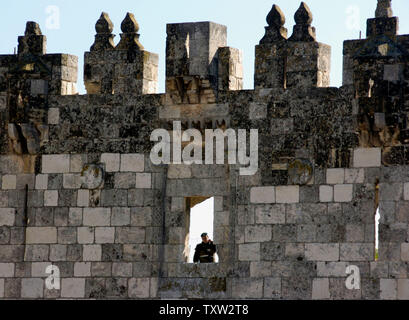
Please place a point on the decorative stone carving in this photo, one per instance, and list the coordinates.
(130, 35)
(104, 39)
(300, 171)
(302, 29)
(275, 30)
(92, 176)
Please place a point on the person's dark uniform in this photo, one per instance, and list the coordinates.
(204, 252)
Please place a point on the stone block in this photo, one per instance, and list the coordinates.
(270, 214)
(72, 181)
(56, 163)
(272, 288)
(112, 161)
(343, 192)
(331, 269)
(38, 269)
(58, 252)
(120, 216)
(260, 269)
(249, 252)
(6, 270)
(130, 235)
(406, 191)
(257, 111)
(258, 233)
(75, 217)
(1, 288)
(97, 217)
(143, 181)
(335, 176)
(7, 217)
(367, 157)
(32, 288)
(83, 198)
(82, 269)
(122, 269)
(85, 235)
(389, 289)
(357, 252)
(51, 198)
(105, 235)
(124, 180)
(41, 235)
(77, 162)
(320, 289)
(179, 171)
(326, 193)
(403, 289)
(53, 116)
(322, 252)
(92, 253)
(405, 251)
(288, 194)
(139, 288)
(41, 182)
(247, 288)
(9, 182)
(73, 288)
(262, 195)
(354, 176)
(132, 162)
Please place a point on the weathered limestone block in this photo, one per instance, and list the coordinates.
(288, 194)
(356, 251)
(32, 288)
(41, 235)
(249, 252)
(97, 217)
(56, 163)
(7, 216)
(262, 195)
(320, 289)
(367, 157)
(73, 288)
(7, 270)
(322, 252)
(139, 288)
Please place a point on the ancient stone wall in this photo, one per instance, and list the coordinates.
(78, 189)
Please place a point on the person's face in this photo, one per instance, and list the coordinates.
(205, 239)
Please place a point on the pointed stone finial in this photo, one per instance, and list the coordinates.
(384, 9)
(32, 29)
(130, 36)
(104, 39)
(302, 29)
(275, 17)
(275, 30)
(129, 25)
(303, 15)
(104, 24)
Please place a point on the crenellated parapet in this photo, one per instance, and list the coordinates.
(199, 64)
(124, 68)
(299, 61)
(377, 70)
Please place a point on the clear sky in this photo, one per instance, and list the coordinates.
(73, 32)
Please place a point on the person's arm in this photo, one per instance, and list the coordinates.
(196, 256)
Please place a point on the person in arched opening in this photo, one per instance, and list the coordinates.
(205, 252)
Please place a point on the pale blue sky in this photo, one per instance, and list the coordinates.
(245, 21)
